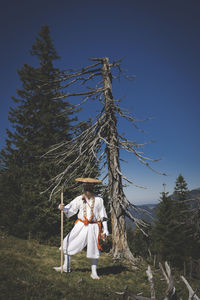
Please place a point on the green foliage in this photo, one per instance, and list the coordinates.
(40, 119)
(172, 233)
(138, 242)
(181, 189)
(165, 232)
(182, 216)
(186, 217)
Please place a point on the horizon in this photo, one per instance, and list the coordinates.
(155, 202)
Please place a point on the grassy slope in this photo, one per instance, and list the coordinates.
(26, 273)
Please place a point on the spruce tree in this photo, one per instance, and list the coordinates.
(181, 205)
(172, 232)
(139, 243)
(39, 119)
(182, 217)
(181, 189)
(164, 234)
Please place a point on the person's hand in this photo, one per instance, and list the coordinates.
(105, 234)
(61, 206)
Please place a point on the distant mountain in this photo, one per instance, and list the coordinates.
(194, 193)
(193, 197)
(147, 212)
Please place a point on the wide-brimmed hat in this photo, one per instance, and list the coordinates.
(88, 180)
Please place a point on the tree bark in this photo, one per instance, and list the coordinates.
(120, 248)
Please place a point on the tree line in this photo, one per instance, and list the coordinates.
(174, 235)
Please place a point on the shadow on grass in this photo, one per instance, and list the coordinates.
(106, 270)
(112, 270)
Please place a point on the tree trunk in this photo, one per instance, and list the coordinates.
(120, 248)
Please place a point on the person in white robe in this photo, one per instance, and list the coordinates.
(90, 225)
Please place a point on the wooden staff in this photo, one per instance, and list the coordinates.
(61, 234)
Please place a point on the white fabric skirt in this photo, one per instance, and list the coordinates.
(81, 236)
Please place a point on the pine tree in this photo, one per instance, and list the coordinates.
(164, 233)
(182, 214)
(39, 119)
(180, 200)
(181, 189)
(139, 243)
(172, 232)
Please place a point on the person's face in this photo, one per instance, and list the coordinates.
(88, 188)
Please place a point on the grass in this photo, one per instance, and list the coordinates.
(26, 272)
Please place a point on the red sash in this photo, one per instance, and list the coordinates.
(86, 222)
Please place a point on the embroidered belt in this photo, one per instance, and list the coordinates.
(86, 222)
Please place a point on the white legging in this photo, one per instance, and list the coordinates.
(67, 265)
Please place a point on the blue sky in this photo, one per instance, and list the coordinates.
(159, 43)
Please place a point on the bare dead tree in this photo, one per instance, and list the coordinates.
(102, 142)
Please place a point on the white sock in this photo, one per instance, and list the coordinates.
(66, 265)
(94, 263)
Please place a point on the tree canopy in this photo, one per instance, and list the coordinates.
(39, 119)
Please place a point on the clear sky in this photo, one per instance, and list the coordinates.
(159, 42)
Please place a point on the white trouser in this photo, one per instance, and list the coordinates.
(81, 236)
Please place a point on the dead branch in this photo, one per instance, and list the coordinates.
(99, 142)
(127, 295)
(171, 291)
(192, 294)
(150, 279)
(61, 153)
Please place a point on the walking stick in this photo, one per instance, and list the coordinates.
(61, 234)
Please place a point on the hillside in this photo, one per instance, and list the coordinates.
(150, 209)
(26, 273)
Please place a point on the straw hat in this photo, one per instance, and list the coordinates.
(88, 180)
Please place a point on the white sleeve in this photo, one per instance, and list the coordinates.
(71, 208)
(105, 228)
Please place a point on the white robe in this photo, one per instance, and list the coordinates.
(83, 235)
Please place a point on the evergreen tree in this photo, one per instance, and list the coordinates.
(181, 205)
(40, 119)
(182, 213)
(164, 233)
(138, 242)
(172, 232)
(181, 189)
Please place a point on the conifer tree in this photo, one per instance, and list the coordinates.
(182, 213)
(181, 189)
(39, 119)
(164, 231)
(139, 243)
(172, 233)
